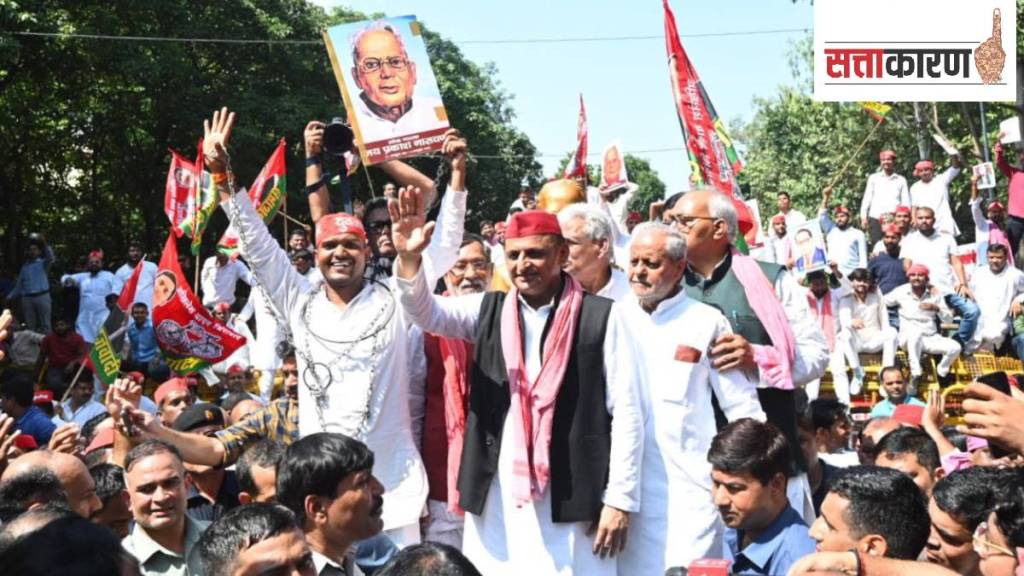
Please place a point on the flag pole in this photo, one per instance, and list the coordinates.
(195, 283)
(854, 155)
(67, 391)
(293, 220)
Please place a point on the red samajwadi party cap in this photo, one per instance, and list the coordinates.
(336, 224)
(532, 223)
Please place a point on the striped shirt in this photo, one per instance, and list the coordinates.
(277, 422)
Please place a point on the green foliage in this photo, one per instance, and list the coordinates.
(797, 145)
(85, 125)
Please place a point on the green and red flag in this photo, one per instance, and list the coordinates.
(876, 110)
(190, 338)
(203, 199)
(104, 360)
(713, 159)
(267, 194)
(178, 200)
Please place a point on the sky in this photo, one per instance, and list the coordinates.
(624, 83)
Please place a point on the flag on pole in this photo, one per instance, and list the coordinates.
(104, 360)
(713, 159)
(188, 335)
(127, 297)
(876, 110)
(577, 166)
(178, 200)
(267, 194)
(206, 201)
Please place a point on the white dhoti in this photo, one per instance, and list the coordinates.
(509, 540)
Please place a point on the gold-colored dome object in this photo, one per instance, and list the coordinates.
(558, 194)
(989, 56)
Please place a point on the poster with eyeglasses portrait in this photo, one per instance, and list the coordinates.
(808, 248)
(388, 86)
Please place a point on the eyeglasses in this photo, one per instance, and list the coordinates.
(684, 223)
(461, 268)
(985, 547)
(378, 226)
(371, 65)
(290, 373)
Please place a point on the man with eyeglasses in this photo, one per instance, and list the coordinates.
(774, 339)
(387, 106)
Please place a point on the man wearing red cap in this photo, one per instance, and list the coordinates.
(846, 245)
(920, 305)
(355, 353)
(632, 219)
(172, 398)
(775, 338)
(535, 479)
(933, 191)
(779, 249)
(884, 191)
(990, 230)
(220, 275)
(95, 285)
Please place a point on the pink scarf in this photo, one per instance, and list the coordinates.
(826, 319)
(457, 355)
(776, 361)
(533, 404)
(997, 236)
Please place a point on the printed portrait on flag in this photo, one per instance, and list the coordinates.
(388, 86)
(808, 248)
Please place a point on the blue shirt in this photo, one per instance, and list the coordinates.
(143, 341)
(888, 272)
(33, 277)
(37, 425)
(885, 408)
(777, 548)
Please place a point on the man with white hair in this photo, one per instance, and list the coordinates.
(679, 384)
(386, 106)
(588, 231)
(774, 340)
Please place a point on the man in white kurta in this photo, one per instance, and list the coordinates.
(512, 539)
(864, 326)
(144, 290)
(999, 289)
(823, 302)
(678, 521)
(220, 276)
(932, 190)
(360, 352)
(94, 285)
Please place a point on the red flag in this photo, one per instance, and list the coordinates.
(189, 336)
(178, 201)
(267, 194)
(713, 160)
(127, 298)
(577, 166)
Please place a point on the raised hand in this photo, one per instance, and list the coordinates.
(5, 324)
(65, 439)
(216, 134)
(410, 230)
(313, 136)
(455, 148)
(123, 392)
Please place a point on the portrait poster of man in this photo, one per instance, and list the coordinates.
(808, 248)
(388, 86)
(613, 166)
(986, 175)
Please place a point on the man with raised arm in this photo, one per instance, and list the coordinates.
(351, 337)
(554, 429)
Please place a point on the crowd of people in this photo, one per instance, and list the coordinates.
(571, 391)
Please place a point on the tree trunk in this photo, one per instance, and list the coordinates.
(924, 141)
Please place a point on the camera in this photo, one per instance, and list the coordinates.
(338, 138)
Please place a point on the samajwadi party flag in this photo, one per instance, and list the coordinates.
(178, 199)
(267, 193)
(202, 201)
(188, 335)
(105, 362)
(577, 166)
(713, 159)
(127, 297)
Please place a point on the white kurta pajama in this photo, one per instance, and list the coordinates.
(92, 300)
(678, 521)
(994, 293)
(512, 540)
(368, 395)
(144, 290)
(935, 195)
